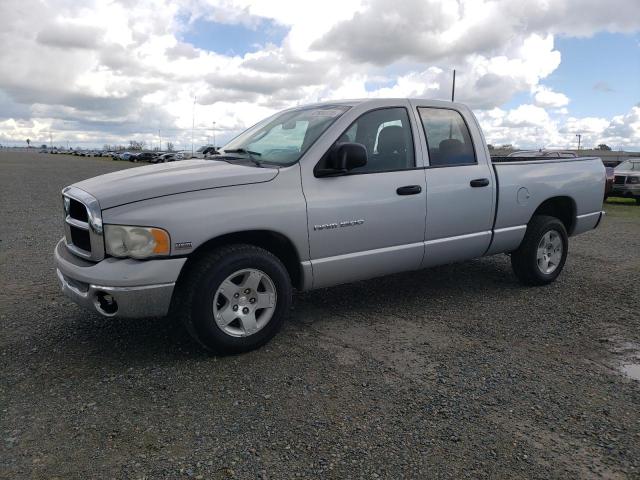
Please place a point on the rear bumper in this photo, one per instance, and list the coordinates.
(118, 287)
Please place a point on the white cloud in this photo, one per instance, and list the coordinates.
(530, 126)
(545, 97)
(109, 70)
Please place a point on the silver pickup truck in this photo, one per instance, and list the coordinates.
(313, 197)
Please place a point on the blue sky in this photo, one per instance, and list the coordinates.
(599, 74)
(232, 40)
(592, 66)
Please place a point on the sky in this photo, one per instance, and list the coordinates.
(95, 72)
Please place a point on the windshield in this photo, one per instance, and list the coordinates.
(283, 138)
(629, 165)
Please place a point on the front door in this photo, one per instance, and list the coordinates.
(370, 221)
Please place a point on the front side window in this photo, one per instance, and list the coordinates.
(386, 135)
(448, 137)
(283, 138)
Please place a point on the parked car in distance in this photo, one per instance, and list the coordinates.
(543, 153)
(210, 152)
(626, 181)
(313, 197)
(166, 157)
(144, 157)
(610, 175)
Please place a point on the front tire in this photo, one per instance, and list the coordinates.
(234, 299)
(543, 252)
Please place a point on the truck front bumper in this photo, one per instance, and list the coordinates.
(118, 287)
(626, 190)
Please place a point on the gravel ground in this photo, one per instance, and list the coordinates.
(454, 372)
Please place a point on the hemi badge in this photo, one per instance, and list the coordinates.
(183, 245)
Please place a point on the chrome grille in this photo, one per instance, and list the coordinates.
(619, 180)
(82, 224)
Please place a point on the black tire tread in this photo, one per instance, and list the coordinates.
(521, 258)
(182, 304)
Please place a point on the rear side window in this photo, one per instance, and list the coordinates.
(448, 137)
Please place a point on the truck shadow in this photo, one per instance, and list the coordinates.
(486, 278)
(160, 340)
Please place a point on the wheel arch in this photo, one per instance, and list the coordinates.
(274, 242)
(562, 207)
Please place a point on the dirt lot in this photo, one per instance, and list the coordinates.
(454, 372)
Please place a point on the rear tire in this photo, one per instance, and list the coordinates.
(212, 304)
(542, 254)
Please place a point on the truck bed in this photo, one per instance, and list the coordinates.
(524, 183)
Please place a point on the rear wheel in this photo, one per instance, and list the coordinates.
(234, 299)
(543, 251)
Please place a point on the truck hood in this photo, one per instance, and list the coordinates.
(142, 183)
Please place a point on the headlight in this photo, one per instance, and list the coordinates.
(633, 180)
(136, 242)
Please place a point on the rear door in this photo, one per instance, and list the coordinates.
(460, 186)
(370, 221)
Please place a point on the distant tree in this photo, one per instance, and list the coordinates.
(135, 145)
(28, 143)
(169, 147)
(604, 146)
(43, 146)
(490, 146)
(507, 146)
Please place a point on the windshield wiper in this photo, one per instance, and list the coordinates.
(250, 154)
(243, 150)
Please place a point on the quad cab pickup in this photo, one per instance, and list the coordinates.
(313, 197)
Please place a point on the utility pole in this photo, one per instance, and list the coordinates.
(193, 123)
(214, 133)
(453, 86)
(159, 141)
(579, 138)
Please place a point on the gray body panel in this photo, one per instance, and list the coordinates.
(349, 227)
(127, 186)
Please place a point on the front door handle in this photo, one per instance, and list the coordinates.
(479, 182)
(409, 190)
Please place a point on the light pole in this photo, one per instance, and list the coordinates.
(193, 123)
(579, 138)
(214, 133)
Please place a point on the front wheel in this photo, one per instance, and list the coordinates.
(543, 251)
(234, 299)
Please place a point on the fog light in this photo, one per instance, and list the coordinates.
(106, 303)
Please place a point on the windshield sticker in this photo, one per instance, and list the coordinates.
(334, 112)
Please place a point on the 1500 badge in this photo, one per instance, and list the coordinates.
(345, 223)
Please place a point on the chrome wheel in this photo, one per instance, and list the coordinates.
(549, 252)
(244, 303)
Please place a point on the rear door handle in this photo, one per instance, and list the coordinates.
(409, 190)
(479, 182)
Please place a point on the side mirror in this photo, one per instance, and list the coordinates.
(342, 158)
